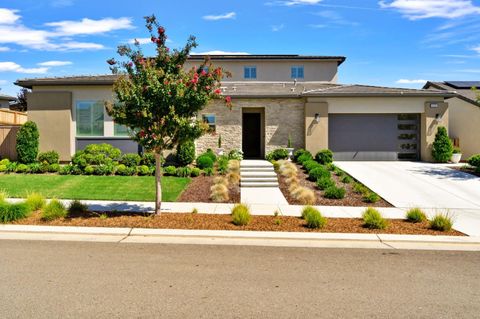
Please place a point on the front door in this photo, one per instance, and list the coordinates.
(251, 135)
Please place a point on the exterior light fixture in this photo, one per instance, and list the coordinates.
(438, 117)
(317, 118)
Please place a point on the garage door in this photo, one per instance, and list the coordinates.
(374, 137)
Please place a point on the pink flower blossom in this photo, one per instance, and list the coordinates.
(218, 91)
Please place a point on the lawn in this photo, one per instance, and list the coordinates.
(132, 188)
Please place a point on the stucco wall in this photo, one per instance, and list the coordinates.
(464, 123)
(282, 117)
(429, 126)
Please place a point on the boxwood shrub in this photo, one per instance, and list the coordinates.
(317, 173)
(50, 157)
(299, 153)
(205, 161)
(277, 154)
(183, 171)
(309, 165)
(442, 148)
(130, 159)
(334, 192)
(324, 157)
(22, 168)
(325, 182)
(307, 156)
(170, 170)
(143, 170)
(186, 153)
(474, 160)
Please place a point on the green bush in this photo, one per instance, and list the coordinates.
(12, 212)
(21, 168)
(373, 219)
(210, 154)
(477, 170)
(330, 167)
(474, 160)
(54, 210)
(204, 161)
(325, 182)
(50, 157)
(339, 172)
(89, 170)
(3, 196)
(441, 222)
(170, 170)
(307, 210)
(416, 215)
(186, 153)
(35, 201)
(121, 169)
(442, 148)
(96, 154)
(3, 168)
(311, 164)
(299, 153)
(195, 172)
(77, 208)
(334, 192)
(148, 159)
(277, 154)
(222, 165)
(183, 171)
(34, 168)
(208, 171)
(235, 155)
(143, 170)
(104, 169)
(317, 173)
(12, 167)
(53, 168)
(130, 160)
(5, 161)
(360, 189)
(307, 156)
(241, 215)
(27, 143)
(66, 169)
(370, 197)
(44, 168)
(324, 157)
(314, 219)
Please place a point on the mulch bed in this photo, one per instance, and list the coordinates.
(224, 222)
(198, 191)
(351, 198)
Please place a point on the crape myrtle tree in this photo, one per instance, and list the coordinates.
(158, 100)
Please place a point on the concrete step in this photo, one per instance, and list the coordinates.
(257, 169)
(259, 179)
(258, 174)
(258, 184)
(245, 164)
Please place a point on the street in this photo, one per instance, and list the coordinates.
(107, 280)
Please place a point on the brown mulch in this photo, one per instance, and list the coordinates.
(198, 191)
(224, 222)
(351, 198)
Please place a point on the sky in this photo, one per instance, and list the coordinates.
(400, 43)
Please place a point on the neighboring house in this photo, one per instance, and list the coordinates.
(464, 114)
(5, 101)
(274, 97)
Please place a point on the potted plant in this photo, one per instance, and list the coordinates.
(220, 149)
(290, 148)
(457, 155)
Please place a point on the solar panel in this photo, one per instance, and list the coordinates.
(464, 84)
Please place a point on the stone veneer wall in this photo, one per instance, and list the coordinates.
(282, 117)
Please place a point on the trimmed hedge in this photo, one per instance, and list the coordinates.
(474, 160)
(277, 154)
(27, 143)
(324, 157)
(205, 161)
(50, 157)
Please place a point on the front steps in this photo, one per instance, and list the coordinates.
(257, 173)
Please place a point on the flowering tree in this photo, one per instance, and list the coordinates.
(158, 100)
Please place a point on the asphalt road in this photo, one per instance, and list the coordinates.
(98, 280)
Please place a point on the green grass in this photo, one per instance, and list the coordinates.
(133, 188)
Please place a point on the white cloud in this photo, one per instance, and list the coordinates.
(278, 27)
(226, 16)
(219, 52)
(334, 18)
(76, 46)
(406, 81)
(423, 9)
(294, 2)
(4, 49)
(55, 63)
(14, 67)
(140, 40)
(476, 49)
(8, 16)
(89, 26)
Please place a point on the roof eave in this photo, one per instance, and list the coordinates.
(443, 95)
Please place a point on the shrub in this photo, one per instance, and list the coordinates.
(104, 169)
(195, 172)
(441, 222)
(186, 153)
(277, 154)
(143, 170)
(66, 169)
(324, 157)
(222, 165)
(50, 157)
(370, 197)
(44, 168)
(360, 189)
(183, 172)
(211, 154)
(3, 168)
(148, 159)
(299, 153)
(53, 168)
(310, 164)
(12, 212)
(330, 167)
(120, 169)
(347, 179)
(235, 155)
(477, 170)
(304, 195)
(21, 168)
(12, 167)
(474, 160)
(170, 170)
(76, 170)
(307, 156)
(219, 192)
(317, 173)
(3, 196)
(5, 161)
(27, 143)
(96, 154)
(315, 219)
(373, 219)
(307, 210)
(77, 208)
(334, 192)
(54, 210)
(442, 148)
(208, 171)
(325, 182)
(204, 161)
(416, 215)
(130, 160)
(233, 178)
(339, 172)
(89, 170)
(35, 201)
(241, 215)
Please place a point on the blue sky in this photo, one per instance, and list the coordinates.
(390, 42)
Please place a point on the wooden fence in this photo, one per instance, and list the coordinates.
(8, 141)
(8, 117)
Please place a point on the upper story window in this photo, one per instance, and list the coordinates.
(89, 118)
(297, 72)
(250, 72)
(210, 120)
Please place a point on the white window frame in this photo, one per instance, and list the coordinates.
(296, 68)
(249, 68)
(77, 118)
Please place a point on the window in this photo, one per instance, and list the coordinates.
(297, 72)
(120, 130)
(250, 72)
(89, 117)
(210, 120)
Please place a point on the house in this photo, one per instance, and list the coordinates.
(464, 114)
(274, 97)
(5, 101)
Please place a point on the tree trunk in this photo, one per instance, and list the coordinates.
(158, 182)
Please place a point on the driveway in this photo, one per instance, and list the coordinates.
(414, 184)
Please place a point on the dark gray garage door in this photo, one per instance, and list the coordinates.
(381, 137)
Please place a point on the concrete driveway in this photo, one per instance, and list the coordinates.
(414, 184)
